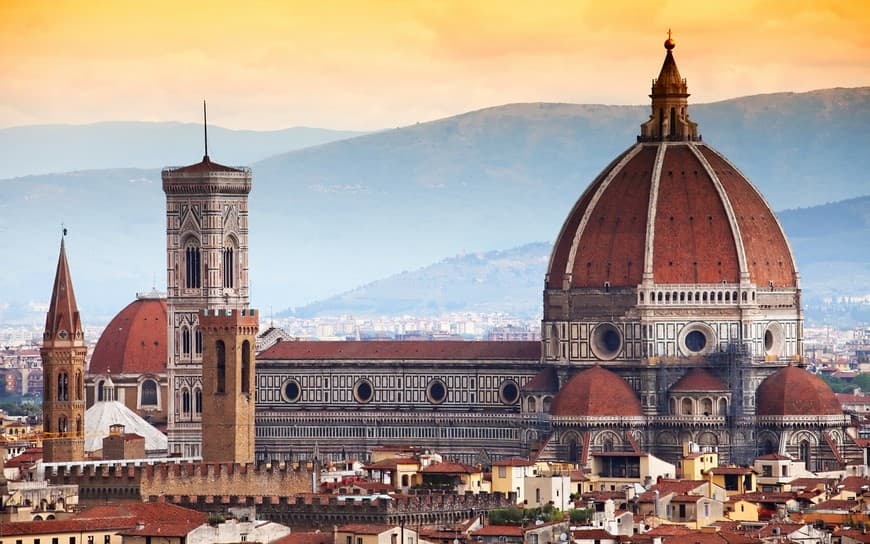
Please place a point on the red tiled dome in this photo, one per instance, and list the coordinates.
(596, 392)
(134, 341)
(707, 224)
(792, 391)
(698, 379)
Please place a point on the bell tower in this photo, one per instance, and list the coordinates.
(63, 366)
(206, 269)
(229, 343)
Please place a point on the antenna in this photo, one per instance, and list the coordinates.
(205, 130)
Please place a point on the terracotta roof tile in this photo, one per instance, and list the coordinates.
(792, 391)
(698, 379)
(432, 350)
(596, 392)
(449, 468)
(499, 530)
(134, 341)
(364, 528)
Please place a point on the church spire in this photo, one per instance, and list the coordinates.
(669, 120)
(63, 313)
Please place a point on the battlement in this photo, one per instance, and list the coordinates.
(244, 320)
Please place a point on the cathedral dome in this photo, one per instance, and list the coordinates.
(698, 380)
(792, 391)
(670, 210)
(596, 392)
(134, 341)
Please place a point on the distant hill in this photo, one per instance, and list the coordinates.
(829, 242)
(326, 219)
(43, 149)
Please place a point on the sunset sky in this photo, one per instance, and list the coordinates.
(377, 64)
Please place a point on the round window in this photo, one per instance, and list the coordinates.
(291, 390)
(696, 341)
(436, 392)
(606, 341)
(768, 340)
(774, 339)
(509, 392)
(363, 391)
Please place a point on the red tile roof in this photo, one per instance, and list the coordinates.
(730, 470)
(773, 457)
(392, 463)
(73, 525)
(596, 392)
(134, 341)
(499, 530)
(315, 537)
(855, 484)
(203, 167)
(545, 381)
(364, 528)
(837, 505)
(416, 349)
(698, 379)
(449, 468)
(792, 391)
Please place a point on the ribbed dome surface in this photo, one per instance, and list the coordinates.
(678, 210)
(792, 391)
(596, 392)
(134, 341)
(698, 379)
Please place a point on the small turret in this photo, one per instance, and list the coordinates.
(669, 120)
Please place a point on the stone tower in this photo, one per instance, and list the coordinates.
(207, 268)
(63, 366)
(229, 392)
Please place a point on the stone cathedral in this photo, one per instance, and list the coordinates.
(671, 314)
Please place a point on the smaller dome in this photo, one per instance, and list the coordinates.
(792, 391)
(698, 379)
(596, 392)
(134, 342)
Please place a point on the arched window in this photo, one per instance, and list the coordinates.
(78, 425)
(246, 367)
(62, 424)
(723, 407)
(707, 407)
(673, 406)
(221, 367)
(198, 342)
(607, 445)
(532, 405)
(185, 401)
(192, 267)
(687, 407)
(673, 126)
(197, 401)
(79, 385)
(185, 341)
(148, 393)
(63, 386)
(100, 385)
(229, 267)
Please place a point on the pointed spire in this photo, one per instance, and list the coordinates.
(63, 313)
(670, 118)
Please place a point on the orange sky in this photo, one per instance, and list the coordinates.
(376, 64)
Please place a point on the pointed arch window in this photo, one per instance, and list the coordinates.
(192, 267)
(100, 394)
(185, 341)
(62, 424)
(221, 367)
(197, 402)
(229, 266)
(185, 402)
(63, 386)
(148, 393)
(80, 387)
(78, 425)
(197, 337)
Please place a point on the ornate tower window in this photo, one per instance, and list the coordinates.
(229, 266)
(63, 386)
(185, 341)
(148, 393)
(192, 267)
(198, 342)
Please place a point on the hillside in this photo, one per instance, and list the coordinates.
(43, 149)
(328, 218)
(823, 238)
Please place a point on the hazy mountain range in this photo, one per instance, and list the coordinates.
(832, 256)
(43, 149)
(329, 218)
